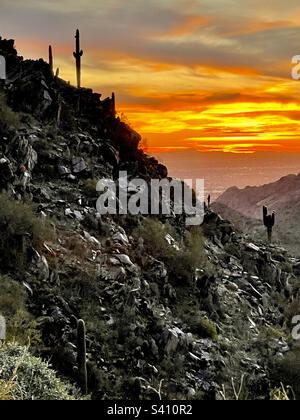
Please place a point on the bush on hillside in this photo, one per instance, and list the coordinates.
(182, 257)
(204, 327)
(8, 118)
(286, 370)
(25, 377)
(20, 325)
(20, 229)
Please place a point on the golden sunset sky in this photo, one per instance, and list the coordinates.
(209, 75)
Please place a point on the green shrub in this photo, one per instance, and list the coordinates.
(181, 258)
(8, 118)
(12, 297)
(20, 229)
(204, 327)
(154, 234)
(89, 188)
(21, 326)
(190, 257)
(286, 370)
(25, 377)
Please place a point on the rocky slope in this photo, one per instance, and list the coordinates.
(283, 196)
(170, 313)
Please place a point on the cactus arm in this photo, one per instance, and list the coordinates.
(273, 219)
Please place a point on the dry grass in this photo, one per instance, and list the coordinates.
(282, 394)
(6, 389)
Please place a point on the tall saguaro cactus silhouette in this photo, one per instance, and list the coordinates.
(269, 222)
(50, 58)
(77, 55)
(81, 355)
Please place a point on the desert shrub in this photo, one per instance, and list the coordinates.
(286, 370)
(269, 333)
(81, 285)
(204, 327)
(191, 256)
(154, 235)
(20, 229)
(287, 267)
(77, 246)
(89, 188)
(8, 118)
(181, 257)
(25, 377)
(20, 326)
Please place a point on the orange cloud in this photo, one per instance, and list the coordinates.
(252, 26)
(189, 25)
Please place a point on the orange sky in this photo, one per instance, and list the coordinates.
(211, 75)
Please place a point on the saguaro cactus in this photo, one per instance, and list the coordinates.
(81, 355)
(269, 222)
(113, 100)
(77, 55)
(50, 58)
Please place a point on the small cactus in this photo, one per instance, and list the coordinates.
(57, 72)
(208, 201)
(269, 222)
(51, 59)
(77, 55)
(81, 356)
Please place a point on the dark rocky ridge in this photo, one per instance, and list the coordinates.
(140, 317)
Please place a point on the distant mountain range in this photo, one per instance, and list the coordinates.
(244, 208)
